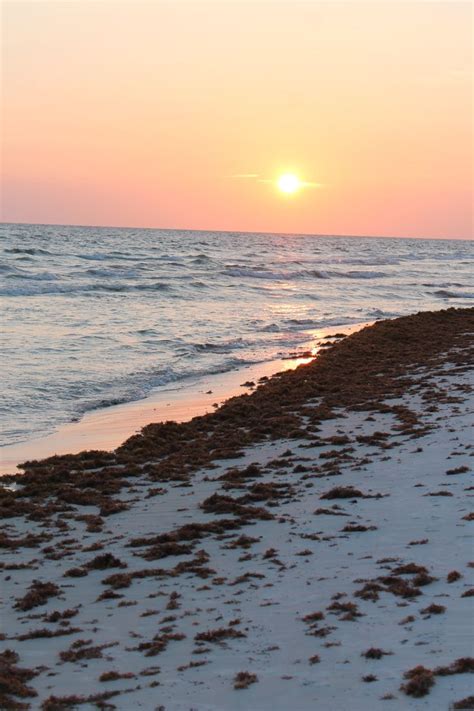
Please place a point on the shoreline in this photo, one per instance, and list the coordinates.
(303, 546)
(106, 428)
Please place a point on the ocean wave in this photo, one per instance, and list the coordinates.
(216, 347)
(63, 288)
(288, 275)
(201, 259)
(311, 324)
(254, 273)
(358, 261)
(305, 295)
(106, 256)
(360, 275)
(372, 261)
(258, 273)
(33, 276)
(12, 269)
(445, 294)
(444, 285)
(317, 274)
(112, 272)
(28, 250)
(283, 336)
(302, 323)
(379, 313)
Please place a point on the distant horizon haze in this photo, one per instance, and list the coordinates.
(231, 231)
(190, 112)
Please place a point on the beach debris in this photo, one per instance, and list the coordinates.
(244, 679)
(38, 594)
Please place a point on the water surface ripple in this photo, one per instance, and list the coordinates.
(97, 316)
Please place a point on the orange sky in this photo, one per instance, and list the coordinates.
(142, 113)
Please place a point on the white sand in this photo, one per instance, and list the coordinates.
(277, 646)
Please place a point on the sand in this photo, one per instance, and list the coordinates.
(306, 546)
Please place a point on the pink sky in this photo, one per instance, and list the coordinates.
(143, 114)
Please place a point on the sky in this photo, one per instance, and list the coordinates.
(184, 114)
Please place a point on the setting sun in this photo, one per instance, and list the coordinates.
(288, 183)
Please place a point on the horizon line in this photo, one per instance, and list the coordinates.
(245, 232)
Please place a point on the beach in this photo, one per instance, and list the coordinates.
(237, 351)
(107, 427)
(304, 545)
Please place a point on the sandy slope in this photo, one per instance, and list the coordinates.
(252, 587)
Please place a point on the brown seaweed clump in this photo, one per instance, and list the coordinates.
(159, 643)
(374, 653)
(467, 703)
(219, 504)
(419, 682)
(420, 679)
(81, 649)
(343, 492)
(357, 528)
(219, 635)
(463, 665)
(58, 703)
(104, 561)
(243, 680)
(13, 681)
(113, 676)
(433, 609)
(38, 594)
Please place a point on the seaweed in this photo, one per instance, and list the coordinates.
(13, 681)
(38, 594)
(419, 682)
(243, 680)
(218, 635)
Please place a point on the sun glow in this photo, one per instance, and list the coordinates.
(289, 183)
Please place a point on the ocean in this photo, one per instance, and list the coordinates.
(96, 316)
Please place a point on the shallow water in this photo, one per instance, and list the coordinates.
(97, 316)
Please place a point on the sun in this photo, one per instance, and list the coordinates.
(288, 183)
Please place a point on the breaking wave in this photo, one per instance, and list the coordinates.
(445, 294)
